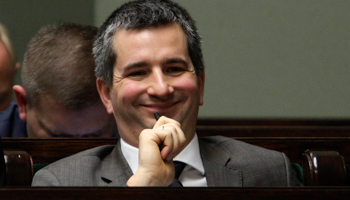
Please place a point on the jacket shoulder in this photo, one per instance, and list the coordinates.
(259, 166)
(81, 169)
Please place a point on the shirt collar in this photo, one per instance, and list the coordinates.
(189, 155)
(131, 155)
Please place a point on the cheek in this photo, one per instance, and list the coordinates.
(127, 91)
(187, 83)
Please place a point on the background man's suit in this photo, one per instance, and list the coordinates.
(226, 162)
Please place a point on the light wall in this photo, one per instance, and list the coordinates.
(268, 58)
(271, 58)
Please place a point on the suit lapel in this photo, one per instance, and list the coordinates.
(115, 170)
(215, 162)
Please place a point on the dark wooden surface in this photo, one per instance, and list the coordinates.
(275, 131)
(323, 168)
(49, 150)
(107, 193)
(18, 167)
(272, 122)
(294, 147)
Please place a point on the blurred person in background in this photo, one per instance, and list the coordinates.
(10, 123)
(58, 96)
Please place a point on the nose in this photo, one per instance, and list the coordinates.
(159, 84)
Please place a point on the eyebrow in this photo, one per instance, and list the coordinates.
(56, 133)
(136, 65)
(96, 133)
(144, 63)
(50, 131)
(174, 61)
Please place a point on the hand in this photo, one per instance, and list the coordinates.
(157, 149)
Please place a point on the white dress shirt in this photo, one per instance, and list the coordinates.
(192, 175)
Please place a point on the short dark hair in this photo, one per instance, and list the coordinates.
(58, 62)
(142, 14)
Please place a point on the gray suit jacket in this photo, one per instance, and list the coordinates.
(227, 162)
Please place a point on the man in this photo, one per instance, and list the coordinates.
(59, 96)
(10, 123)
(148, 59)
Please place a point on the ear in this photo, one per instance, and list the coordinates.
(201, 80)
(21, 101)
(105, 96)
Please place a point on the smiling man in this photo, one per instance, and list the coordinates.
(149, 59)
(153, 73)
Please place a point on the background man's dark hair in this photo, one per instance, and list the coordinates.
(143, 14)
(59, 63)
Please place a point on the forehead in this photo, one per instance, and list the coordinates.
(165, 31)
(153, 42)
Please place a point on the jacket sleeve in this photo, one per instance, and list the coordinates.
(44, 178)
(292, 179)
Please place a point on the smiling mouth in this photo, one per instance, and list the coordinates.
(160, 106)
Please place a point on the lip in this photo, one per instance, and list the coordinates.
(159, 107)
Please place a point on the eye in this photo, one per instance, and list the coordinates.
(175, 69)
(137, 73)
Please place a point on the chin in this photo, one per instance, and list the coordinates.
(149, 124)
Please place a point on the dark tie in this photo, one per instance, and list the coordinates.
(179, 167)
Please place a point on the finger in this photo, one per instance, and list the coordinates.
(178, 137)
(165, 120)
(167, 144)
(177, 141)
(148, 142)
(167, 151)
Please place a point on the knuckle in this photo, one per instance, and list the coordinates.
(183, 140)
(173, 129)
